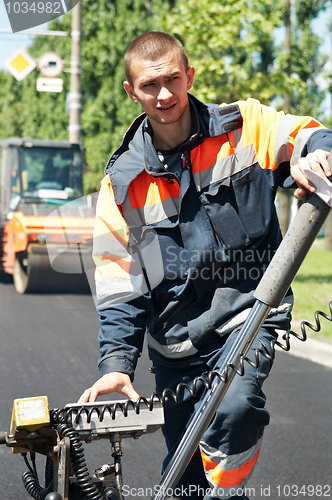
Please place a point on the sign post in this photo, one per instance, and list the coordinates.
(24, 64)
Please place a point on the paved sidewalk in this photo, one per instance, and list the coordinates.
(314, 350)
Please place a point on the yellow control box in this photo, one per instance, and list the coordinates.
(30, 414)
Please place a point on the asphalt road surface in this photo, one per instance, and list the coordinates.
(49, 347)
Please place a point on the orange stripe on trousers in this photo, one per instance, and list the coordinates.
(228, 478)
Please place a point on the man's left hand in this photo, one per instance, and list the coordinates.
(316, 161)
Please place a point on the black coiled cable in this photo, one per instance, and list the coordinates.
(63, 418)
(31, 482)
(69, 413)
(82, 475)
(30, 479)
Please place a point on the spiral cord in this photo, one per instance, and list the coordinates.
(31, 482)
(82, 475)
(111, 408)
(62, 419)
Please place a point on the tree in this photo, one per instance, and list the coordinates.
(12, 109)
(108, 28)
(285, 194)
(300, 60)
(301, 63)
(230, 44)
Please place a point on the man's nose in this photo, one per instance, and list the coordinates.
(164, 94)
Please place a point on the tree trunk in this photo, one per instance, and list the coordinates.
(285, 195)
(328, 234)
(328, 231)
(285, 207)
(288, 45)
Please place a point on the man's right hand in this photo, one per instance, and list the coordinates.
(110, 382)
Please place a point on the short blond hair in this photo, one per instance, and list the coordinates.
(152, 45)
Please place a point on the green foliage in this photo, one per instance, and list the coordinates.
(12, 109)
(24, 112)
(108, 27)
(312, 289)
(231, 44)
(307, 10)
(305, 61)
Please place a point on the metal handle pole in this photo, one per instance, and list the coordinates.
(203, 416)
(291, 252)
(270, 292)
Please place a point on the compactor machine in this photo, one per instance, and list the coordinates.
(46, 224)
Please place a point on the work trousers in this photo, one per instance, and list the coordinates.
(229, 449)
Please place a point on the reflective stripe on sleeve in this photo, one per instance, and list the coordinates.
(119, 267)
(292, 134)
(110, 238)
(112, 291)
(300, 141)
(283, 147)
(274, 134)
(177, 351)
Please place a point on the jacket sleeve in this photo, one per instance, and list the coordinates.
(321, 139)
(121, 336)
(122, 292)
(280, 140)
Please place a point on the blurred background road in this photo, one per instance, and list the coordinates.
(49, 347)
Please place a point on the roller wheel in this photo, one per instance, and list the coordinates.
(33, 273)
(23, 275)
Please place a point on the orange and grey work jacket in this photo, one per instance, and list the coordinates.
(180, 260)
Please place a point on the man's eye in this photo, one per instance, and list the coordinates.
(148, 84)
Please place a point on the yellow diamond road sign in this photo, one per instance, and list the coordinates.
(20, 64)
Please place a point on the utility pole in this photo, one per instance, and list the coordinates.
(75, 96)
(288, 46)
(285, 194)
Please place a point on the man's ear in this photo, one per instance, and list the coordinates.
(130, 91)
(190, 77)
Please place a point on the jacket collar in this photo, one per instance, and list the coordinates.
(216, 120)
(126, 163)
(152, 164)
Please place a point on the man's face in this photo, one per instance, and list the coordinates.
(161, 87)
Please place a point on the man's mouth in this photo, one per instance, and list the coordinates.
(167, 109)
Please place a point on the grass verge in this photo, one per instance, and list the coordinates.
(312, 289)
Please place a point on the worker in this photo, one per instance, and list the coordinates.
(185, 227)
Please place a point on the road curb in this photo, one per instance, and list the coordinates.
(313, 350)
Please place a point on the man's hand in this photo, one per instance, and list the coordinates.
(110, 382)
(316, 161)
